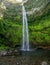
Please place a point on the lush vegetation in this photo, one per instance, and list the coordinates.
(40, 30)
(11, 29)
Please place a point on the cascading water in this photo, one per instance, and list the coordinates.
(25, 44)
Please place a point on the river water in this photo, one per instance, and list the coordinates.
(38, 57)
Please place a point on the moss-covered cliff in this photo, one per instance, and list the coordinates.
(38, 13)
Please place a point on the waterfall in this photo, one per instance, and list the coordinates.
(25, 43)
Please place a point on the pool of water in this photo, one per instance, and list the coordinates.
(38, 57)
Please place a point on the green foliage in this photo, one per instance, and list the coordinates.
(11, 28)
(40, 30)
(10, 33)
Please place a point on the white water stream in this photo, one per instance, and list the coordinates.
(25, 44)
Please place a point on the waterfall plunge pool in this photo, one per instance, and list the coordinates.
(37, 57)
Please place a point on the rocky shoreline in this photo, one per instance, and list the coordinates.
(7, 53)
(14, 52)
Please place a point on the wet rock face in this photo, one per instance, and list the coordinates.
(32, 6)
